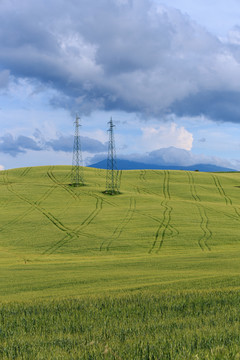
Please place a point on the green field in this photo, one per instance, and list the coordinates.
(170, 238)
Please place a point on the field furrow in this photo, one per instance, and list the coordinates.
(35, 205)
(221, 191)
(204, 220)
(120, 227)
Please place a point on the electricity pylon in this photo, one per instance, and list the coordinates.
(112, 178)
(77, 168)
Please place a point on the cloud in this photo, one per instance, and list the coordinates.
(181, 157)
(21, 144)
(167, 135)
(13, 146)
(1, 167)
(130, 55)
(216, 105)
(4, 78)
(65, 143)
(171, 156)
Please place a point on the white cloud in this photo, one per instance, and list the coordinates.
(166, 135)
(234, 36)
(1, 167)
(181, 157)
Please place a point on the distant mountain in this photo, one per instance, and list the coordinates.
(133, 165)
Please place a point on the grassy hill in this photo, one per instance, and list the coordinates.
(152, 273)
(167, 229)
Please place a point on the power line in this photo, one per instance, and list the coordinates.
(112, 176)
(77, 178)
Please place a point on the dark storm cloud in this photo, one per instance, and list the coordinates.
(126, 55)
(218, 105)
(21, 144)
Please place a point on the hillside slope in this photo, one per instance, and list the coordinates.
(176, 229)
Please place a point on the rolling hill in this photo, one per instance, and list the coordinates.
(167, 228)
(151, 273)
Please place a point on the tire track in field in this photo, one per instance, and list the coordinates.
(35, 205)
(87, 221)
(165, 228)
(52, 177)
(204, 223)
(173, 231)
(78, 231)
(104, 199)
(207, 233)
(166, 180)
(28, 211)
(192, 185)
(69, 233)
(142, 175)
(119, 229)
(98, 207)
(26, 171)
(221, 191)
(227, 199)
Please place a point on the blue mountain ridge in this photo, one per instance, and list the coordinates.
(133, 165)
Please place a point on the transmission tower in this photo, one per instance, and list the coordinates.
(77, 168)
(112, 178)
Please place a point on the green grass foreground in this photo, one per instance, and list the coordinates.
(151, 273)
(181, 326)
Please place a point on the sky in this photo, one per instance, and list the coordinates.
(167, 72)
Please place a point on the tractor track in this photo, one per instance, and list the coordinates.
(207, 233)
(166, 184)
(94, 213)
(227, 199)
(192, 185)
(221, 191)
(65, 240)
(26, 171)
(28, 211)
(36, 205)
(119, 229)
(64, 187)
(166, 190)
(204, 223)
(103, 198)
(165, 228)
(173, 230)
(142, 175)
(78, 231)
